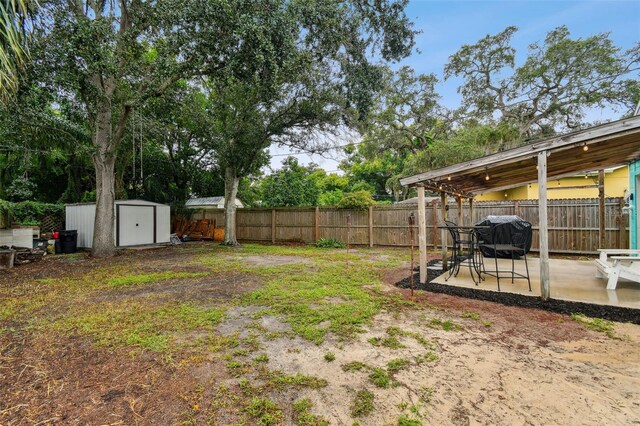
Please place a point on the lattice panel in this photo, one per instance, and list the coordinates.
(50, 222)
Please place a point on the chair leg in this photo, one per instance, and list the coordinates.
(472, 263)
(453, 255)
(526, 265)
(495, 256)
(453, 260)
(478, 263)
(614, 274)
(512, 267)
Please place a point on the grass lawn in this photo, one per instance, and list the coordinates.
(203, 334)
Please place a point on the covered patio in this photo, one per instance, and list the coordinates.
(593, 149)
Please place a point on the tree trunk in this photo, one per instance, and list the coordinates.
(231, 181)
(104, 162)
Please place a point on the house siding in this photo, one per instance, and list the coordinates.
(616, 184)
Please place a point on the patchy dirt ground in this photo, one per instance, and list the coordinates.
(75, 348)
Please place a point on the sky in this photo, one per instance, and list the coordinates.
(447, 25)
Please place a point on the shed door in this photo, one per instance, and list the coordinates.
(136, 225)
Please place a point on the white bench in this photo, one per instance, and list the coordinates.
(618, 263)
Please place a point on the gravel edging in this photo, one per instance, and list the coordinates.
(611, 313)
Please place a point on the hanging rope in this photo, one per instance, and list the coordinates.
(133, 146)
(141, 159)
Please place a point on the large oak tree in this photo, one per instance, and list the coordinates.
(553, 89)
(315, 76)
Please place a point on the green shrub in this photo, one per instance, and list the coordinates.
(88, 197)
(330, 243)
(330, 198)
(29, 212)
(356, 200)
(20, 189)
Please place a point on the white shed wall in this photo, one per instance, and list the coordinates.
(81, 218)
(163, 224)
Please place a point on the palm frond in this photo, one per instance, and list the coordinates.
(13, 50)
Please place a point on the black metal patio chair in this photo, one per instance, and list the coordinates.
(463, 249)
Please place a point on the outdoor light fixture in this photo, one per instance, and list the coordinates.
(486, 177)
(585, 147)
(448, 177)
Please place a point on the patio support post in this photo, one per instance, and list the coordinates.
(601, 210)
(543, 227)
(422, 234)
(443, 232)
(470, 211)
(459, 200)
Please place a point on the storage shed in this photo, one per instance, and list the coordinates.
(137, 222)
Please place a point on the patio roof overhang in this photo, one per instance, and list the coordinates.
(607, 145)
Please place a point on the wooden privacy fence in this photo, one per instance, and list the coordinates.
(573, 223)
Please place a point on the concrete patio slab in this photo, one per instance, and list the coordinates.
(572, 280)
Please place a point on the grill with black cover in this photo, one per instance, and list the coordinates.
(504, 230)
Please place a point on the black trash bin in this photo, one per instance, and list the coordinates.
(503, 229)
(68, 241)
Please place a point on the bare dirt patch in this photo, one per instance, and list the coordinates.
(59, 380)
(478, 377)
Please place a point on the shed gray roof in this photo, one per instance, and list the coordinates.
(204, 201)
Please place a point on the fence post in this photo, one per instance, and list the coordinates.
(273, 226)
(370, 226)
(317, 224)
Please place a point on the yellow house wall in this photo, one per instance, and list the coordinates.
(615, 185)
